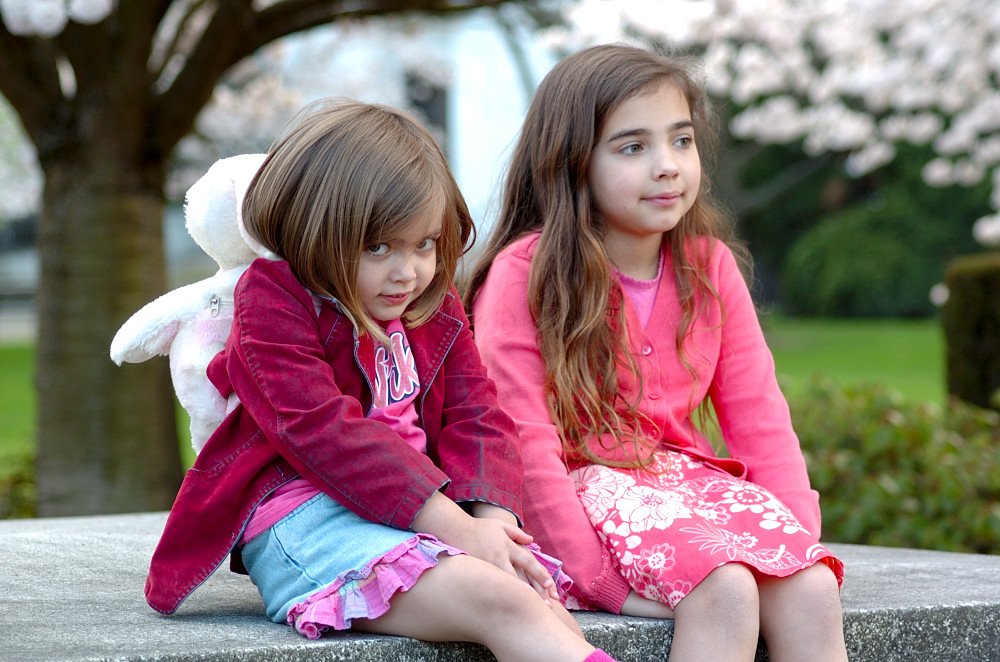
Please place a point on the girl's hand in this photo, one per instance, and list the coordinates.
(540, 582)
(497, 543)
(636, 605)
(494, 539)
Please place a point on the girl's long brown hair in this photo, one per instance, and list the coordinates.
(575, 301)
(345, 176)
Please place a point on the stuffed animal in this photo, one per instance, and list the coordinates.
(191, 324)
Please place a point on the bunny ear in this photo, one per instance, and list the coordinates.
(210, 210)
(242, 176)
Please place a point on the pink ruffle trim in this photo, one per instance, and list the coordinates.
(554, 568)
(366, 593)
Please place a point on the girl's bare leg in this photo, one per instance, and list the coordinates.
(466, 599)
(801, 616)
(719, 618)
(566, 618)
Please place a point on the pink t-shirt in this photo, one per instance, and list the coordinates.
(396, 387)
(642, 293)
(395, 391)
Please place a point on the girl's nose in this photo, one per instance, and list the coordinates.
(666, 164)
(404, 269)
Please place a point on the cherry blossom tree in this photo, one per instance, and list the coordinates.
(106, 90)
(858, 77)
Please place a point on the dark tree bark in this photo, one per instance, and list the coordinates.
(107, 438)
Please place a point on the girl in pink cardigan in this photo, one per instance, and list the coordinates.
(610, 310)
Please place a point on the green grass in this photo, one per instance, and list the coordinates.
(906, 355)
(17, 408)
(17, 401)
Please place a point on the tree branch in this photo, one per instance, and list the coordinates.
(522, 65)
(221, 45)
(29, 80)
(174, 46)
(236, 31)
(284, 18)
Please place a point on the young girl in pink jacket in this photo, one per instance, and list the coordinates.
(367, 478)
(610, 310)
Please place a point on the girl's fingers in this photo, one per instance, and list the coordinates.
(536, 574)
(517, 534)
(541, 590)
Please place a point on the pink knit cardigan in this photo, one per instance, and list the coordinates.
(732, 366)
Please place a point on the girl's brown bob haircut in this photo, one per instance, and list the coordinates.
(347, 175)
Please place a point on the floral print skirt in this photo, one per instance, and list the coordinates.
(669, 525)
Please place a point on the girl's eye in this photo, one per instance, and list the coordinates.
(631, 148)
(378, 249)
(684, 141)
(427, 244)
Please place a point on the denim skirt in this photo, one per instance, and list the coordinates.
(321, 566)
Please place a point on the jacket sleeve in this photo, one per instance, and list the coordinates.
(478, 447)
(753, 414)
(507, 338)
(277, 366)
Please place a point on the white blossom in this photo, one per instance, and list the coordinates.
(44, 18)
(939, 294)
(938, 172)
(854, 76)
(870, 157)
(47, 18)
(89, 11)
(987, 230)
(20, 174)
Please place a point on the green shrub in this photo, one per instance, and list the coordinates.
(17, 487)
(781, 194)
(874, 260)
(898, 474)
(971, 321)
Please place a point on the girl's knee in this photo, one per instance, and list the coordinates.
(490, 590)
(729, 589)
(812, 592)
(724, 604)
(820, 591)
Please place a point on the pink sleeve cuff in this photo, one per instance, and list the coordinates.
(609, 592)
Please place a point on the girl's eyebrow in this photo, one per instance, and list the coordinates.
(628, 133)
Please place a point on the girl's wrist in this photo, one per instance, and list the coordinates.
(440, 516)
(483, 509)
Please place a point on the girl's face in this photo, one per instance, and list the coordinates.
(645, 171)
(394, 273)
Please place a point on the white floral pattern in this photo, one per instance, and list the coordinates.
(672, 523)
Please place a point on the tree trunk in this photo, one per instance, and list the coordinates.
(107, 438)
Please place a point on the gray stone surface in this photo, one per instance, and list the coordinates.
(71, 590)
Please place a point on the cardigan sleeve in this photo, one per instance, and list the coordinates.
(277, 365)
(554, 516)
(753, 414)
(478, 446)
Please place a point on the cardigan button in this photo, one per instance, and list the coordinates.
(654, 396)
(647, 350)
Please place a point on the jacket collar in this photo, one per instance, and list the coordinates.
(430, 342)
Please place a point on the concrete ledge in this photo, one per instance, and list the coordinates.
(71, 589)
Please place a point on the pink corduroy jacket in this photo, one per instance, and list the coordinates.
(304, 397)
(732, 365)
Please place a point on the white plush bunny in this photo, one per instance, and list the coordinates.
(190, 324)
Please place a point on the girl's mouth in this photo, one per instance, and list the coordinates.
(664, 200)
(396, 299)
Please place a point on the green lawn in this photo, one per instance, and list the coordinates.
(17, 407)
(907, 355)
(17, 400)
